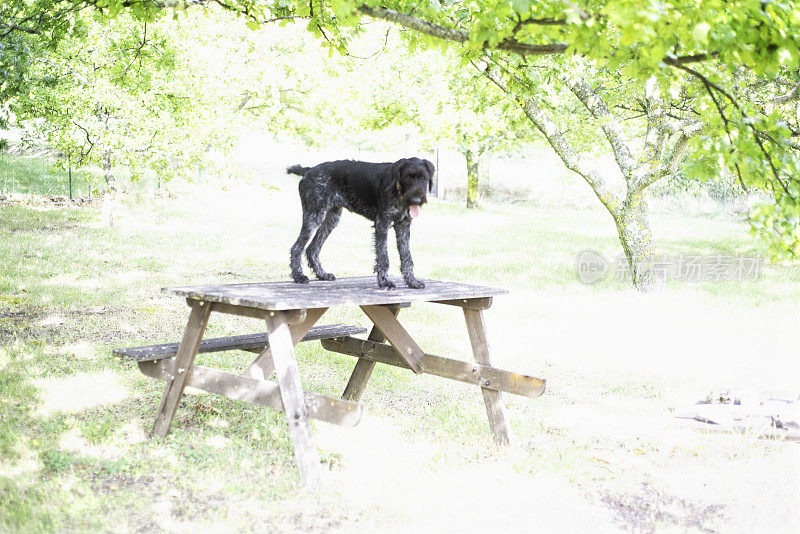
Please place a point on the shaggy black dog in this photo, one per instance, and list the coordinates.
(385, 193)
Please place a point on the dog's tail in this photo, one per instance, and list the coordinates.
(297, 169)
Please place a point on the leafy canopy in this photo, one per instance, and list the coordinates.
(735, 63)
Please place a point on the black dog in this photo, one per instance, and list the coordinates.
(385, 193)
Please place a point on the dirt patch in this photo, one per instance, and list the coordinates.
(109, 484)
(21, 315)
(55, 200)
(18, 324)
(650, 510)
(56, 325)
(42, 229)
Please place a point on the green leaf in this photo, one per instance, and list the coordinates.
(700, 33)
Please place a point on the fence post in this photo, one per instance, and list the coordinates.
(439, 186)
(69, 166)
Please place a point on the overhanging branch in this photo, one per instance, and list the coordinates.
(456, 36)
(711, 88)
(508, 45)
(555, 138)
(8, 28)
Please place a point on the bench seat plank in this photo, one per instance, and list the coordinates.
(248, 342)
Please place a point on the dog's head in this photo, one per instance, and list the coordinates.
(412, 178)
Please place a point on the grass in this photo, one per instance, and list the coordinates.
(25, 175)
(35, 176)
(597, 452)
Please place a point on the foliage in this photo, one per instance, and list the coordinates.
(158, 96)
(732, 68)
(447, 106)
(116, 94)
(729, 69)
(292, 88)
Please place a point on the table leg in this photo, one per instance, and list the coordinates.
(401, 341)
(293, 397)
(498, 419)
(184, 359)
(363, 369)
(263, 366)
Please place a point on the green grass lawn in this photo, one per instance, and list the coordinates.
(597, 452)
(24, 175)
(34, 176)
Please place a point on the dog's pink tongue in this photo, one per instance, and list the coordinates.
(413, 211)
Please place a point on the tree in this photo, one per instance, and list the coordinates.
(144, 96)
(94, 96)
(445, 104)
(712, 80)
(480, 124)
(677, 66)
(30, 30)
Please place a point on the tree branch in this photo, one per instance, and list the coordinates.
(456, 36)
(88, 140)
(508, 45)
(16, 27)
(572, 160)
(710, 88)
(608, 122)
(675, 61)
(791, 96)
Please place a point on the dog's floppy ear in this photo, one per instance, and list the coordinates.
(431, 169)
(394, 174)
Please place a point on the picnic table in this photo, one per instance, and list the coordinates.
(291, 312)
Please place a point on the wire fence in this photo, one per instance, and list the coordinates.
(53, 176)
(41, 176)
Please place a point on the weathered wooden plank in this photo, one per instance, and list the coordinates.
(248, 342)
(263, 366)
(319, 294)
(401, 341)
(493, 399)
(293, 397)
(483, 303)
(299, 330)
(363, 369)
(485, 376)
(328, 409)
(292, 316)
(196, 325)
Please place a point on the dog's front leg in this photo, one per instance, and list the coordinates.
(381, 254)
(402, 231)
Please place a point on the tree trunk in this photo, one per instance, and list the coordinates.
(111, 187)
(472, 179)
(633, 227)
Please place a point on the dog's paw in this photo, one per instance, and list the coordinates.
(301, 279)
(327, 277)
(386, 284)
(413, 283)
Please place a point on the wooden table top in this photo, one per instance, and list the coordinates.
(318, 294)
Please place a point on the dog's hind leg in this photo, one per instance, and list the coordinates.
(310, 224)
(312, 252)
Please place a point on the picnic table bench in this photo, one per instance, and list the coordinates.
(290, 311)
